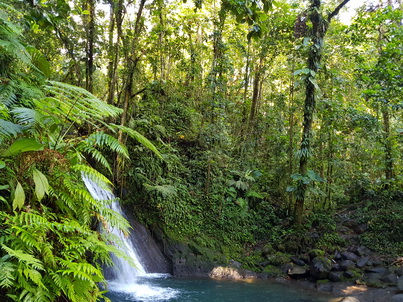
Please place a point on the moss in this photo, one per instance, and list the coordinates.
(273, 271)
(316, 253)
(278, 259)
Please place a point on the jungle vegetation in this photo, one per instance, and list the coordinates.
(232, 124)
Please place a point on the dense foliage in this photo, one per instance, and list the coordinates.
(251, 105)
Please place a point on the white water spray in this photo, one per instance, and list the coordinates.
(129, 279)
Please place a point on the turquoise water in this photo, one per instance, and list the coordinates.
(160, 288)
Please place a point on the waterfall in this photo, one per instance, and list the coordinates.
(149, 263)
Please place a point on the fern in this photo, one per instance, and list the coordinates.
(7, 270)
(137, 136)
(23, 257)
(9, 130)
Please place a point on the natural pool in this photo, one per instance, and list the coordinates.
(155, 288)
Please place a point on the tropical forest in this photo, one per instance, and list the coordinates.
(252, 140)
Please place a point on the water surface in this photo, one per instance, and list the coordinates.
(159, 288)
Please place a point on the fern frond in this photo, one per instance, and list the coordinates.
(7, 270)
(23, 257)
(96, 154)
(9, 130)
(137, 136)
(93, 174)
(77, 103)
(105, 140)
(164, 190)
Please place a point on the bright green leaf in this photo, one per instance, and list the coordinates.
(22, 145)
(19, 197)
(41, 184)
(2, 164)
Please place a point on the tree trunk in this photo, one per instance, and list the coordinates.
(318, 32)
(90, 31)
(387, 145)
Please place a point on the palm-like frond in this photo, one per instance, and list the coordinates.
(137, 136)
(76, 104)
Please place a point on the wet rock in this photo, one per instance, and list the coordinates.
(399, 271)
(391, 279)
(377, 262)
(397, 298)
(362, 262)
(347, 265)
(335, 276)
(400, 283)
(298, 261)
(372, 282)
(378, 270)
(297, 272)
(363, 251)
(320, 267)
(349, 256)
(349, 299)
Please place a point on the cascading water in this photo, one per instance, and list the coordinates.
(134, 280)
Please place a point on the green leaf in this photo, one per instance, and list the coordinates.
(4, 187)
(22, 145)
(302, 71)
(41, 184)
(314, 83)
(2, 164)
(254, 194)
(19, 197)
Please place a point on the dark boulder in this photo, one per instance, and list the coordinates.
(320, 267)
(335, 276)
(362, 262)
(296, 272)
(349, 256)
(347, 265)
(378, 270)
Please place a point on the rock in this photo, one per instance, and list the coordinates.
(305, 258)
(335, 276)
(286, 267)
(235, 264)
(397, 298)
(316, 253)
(350, 274)
(378, 270)
(391, 279)
(298, 261)
(221, 272)
(297, 272)
(372, 276)
(377, 262)
(363, 251)
(373, 282)
(362, 262)
(399, 271)
(320, 267)
(337, 256)
(349, 299)
(349, 256)
(336, 267)
(347, 265)
(400, 283)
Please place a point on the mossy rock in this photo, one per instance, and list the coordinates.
(278, 259)
(316, 253)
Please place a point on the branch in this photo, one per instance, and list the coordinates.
(336, 11)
